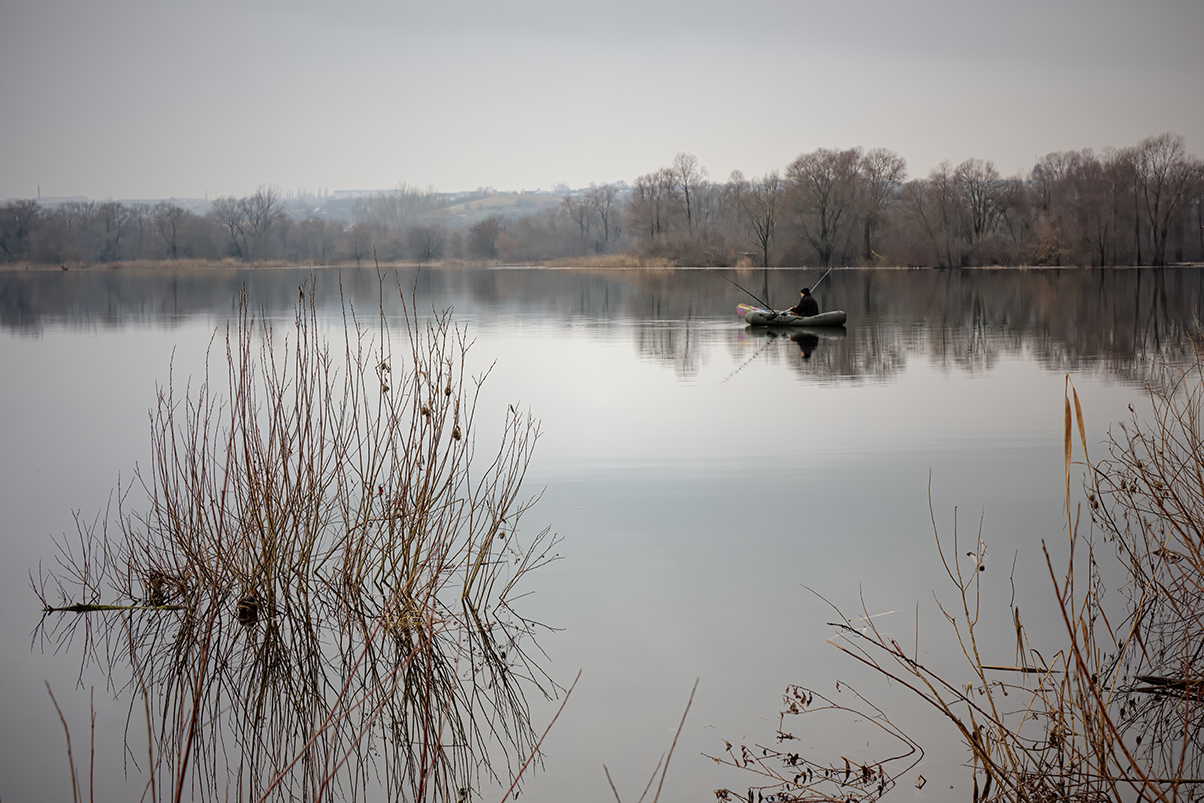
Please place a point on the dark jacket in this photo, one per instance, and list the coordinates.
(807, 305)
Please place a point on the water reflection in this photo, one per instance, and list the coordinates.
(816, 350)
(679, 344)
(807, 343)
(656, 479)
(1114, 320)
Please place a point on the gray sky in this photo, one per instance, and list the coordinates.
(158, 98)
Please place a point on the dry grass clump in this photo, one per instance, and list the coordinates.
(1116, 710)
(315, 598)
(1147, 497)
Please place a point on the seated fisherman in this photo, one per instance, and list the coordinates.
(807, 305)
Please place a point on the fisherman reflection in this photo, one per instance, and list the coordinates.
(806, 343)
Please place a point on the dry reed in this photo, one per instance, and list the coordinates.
(1116, 711)
(315, 600)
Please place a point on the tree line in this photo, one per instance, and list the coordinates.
(1140, 205)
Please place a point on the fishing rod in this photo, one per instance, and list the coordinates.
(773, 314)
(764, 304)
(821, 278)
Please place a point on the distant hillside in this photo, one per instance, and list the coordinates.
(507, 205)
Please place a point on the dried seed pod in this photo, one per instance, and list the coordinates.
(248, 609)
(157, 587)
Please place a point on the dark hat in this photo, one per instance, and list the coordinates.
(805, 290)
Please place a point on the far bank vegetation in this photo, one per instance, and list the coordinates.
(1138, 205)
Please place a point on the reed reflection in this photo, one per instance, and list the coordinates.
(313, 598)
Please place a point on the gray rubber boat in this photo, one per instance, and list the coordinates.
(759, 316)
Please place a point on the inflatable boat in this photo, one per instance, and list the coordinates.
(759, 316)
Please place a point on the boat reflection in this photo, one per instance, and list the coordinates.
(830, 354)
(807, 338)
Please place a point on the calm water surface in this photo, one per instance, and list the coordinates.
(701, 476)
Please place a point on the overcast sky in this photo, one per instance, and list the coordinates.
(158, 98)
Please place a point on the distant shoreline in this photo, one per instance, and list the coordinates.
(597, 263)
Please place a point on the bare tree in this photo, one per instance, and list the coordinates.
(932, 206)
(358, 243)
(581, 212)
(1014, 225)
(983, 193)
(643, 206)
(708, 207)
(229, 213)
(1165, 174)
(313, 240)
(1097, 211)
(261, 211)
(1050, 175)
(687, 175)
(882, 172)
(17, 222)
(957, 209)
(1198, 205)
(760, 202)
(483, 237)
(115, 219)
(78, 215)
(824, 190)
(1060, 185)
(168, 218)
(426, 243)
(602, 199)
(653, 201)
(733, 199)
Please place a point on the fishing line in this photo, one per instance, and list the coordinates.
(746, 363)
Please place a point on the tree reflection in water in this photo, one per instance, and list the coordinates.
(1118, 320)
(315, 601)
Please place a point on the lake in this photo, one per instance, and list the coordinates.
(701, 475)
